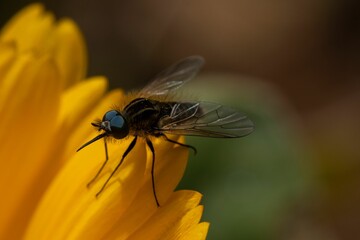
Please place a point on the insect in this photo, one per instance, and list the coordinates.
(146, 116)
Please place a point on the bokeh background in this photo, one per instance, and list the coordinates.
(292, 66)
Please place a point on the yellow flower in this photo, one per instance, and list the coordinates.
(46, 107)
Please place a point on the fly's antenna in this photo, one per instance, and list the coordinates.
(92, 140)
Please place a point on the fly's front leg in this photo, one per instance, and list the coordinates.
(102, 167)
(130, 147)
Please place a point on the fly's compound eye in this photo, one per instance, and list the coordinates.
(110, 115)
(116, 124)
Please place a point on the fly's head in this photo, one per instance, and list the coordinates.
(113, 124)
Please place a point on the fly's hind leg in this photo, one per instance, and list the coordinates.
(178, 143)
(150, 145)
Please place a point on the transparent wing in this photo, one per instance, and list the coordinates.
(207, 120)
(173, 77)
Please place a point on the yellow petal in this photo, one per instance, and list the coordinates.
(186, 222)
(164, 223)
(197, 232)
(10, 79)
(79, 100)
(7, 57)
(46, 114)
(64, 143)
(31, 29)
(83, 129)
(170, 164)
(61, 41)
(69, 207)
(30, 124)
(104, 211)
(78, 215)
(70, 52)
(169, 168)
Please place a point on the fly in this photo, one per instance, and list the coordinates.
(146, 116)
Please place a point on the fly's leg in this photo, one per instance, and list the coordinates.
(179, 143)
(150, 145)
(130, 147)
(102, 167)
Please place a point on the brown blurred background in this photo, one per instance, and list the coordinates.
(307, 50)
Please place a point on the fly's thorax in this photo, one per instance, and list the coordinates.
(142, 115)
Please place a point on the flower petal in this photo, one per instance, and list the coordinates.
(170, 164)
(7, 57)
(38, 80)
(175, 213)
(62, 41)
(64, 144)
(169, 168)
(198, 232)
(83, 129)
(79, 100)
(116, 198)
(74, 208)
(181, 227)
(39, 59)
(35, 38)
(70, 52)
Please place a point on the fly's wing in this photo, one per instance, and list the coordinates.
(173, 77)
(207, 120)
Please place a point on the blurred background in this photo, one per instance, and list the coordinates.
(292, 66)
